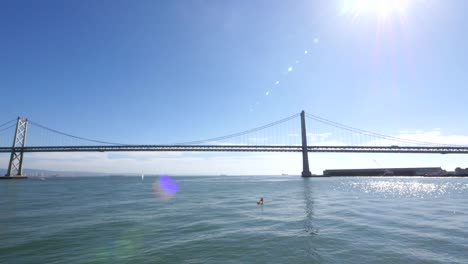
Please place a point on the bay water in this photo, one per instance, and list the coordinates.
(216, 219)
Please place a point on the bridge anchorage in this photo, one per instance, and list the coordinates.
(377, 143)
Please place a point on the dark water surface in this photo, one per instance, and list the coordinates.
(217, 220)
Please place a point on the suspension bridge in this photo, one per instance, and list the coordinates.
(285, 135)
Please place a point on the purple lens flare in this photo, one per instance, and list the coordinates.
(168, 185)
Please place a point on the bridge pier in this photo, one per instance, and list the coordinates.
(15, 167)
(305, 156)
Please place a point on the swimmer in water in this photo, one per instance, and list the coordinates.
(261, 201)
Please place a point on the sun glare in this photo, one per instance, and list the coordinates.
(380, 8)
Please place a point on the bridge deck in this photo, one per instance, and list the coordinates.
(240, 148)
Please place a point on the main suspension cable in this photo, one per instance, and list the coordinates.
(240, 133)
(361, 131)
(72, 136)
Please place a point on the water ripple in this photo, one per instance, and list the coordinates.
(217, 220)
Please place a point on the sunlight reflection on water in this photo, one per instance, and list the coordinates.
(406, 188)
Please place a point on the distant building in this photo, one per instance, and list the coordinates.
(427, 171)
(460, 171)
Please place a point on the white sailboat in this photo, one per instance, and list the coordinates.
(142, 175)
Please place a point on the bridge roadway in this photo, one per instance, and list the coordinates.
(240, 148)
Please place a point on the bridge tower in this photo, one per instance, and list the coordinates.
(305, 156)
(15, 167)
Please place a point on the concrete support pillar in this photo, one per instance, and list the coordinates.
(305, 156)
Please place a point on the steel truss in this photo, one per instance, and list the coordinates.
(15, 167)
(240, 148)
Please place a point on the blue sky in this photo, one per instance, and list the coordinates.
(170, 71)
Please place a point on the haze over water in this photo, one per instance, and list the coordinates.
(216, 220)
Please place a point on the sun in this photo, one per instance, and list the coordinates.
(379, 8)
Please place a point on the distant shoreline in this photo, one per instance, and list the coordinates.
(298, 176)
(392, 176)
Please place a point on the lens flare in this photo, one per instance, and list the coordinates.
(168, 185)
(165, 188)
